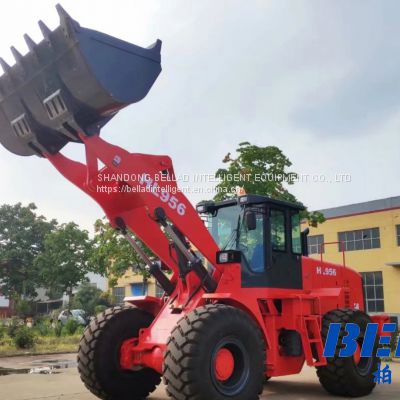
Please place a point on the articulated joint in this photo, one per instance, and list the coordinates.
(133, 356)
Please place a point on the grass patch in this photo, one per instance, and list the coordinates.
(43, 345)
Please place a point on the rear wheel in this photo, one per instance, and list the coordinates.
(215, 352)
(99, 356)
(348, 376)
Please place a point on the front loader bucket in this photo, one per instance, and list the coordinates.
(72, 82)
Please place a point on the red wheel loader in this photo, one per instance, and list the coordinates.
(242, 301)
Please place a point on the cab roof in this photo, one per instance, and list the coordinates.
(249, 199)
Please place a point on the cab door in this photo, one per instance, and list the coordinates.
(272, 250)
(284, 261)
(252, 246)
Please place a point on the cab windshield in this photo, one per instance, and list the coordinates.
(224, 227)
(231, 233)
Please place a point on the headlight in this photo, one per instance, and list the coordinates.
(229, 256)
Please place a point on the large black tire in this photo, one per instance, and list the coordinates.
(99, 353)
(342, 376)
(190, 366)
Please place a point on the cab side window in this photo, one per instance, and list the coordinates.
(296, 234)
(278, 231)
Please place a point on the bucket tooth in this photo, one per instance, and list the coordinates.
(17, 55)
(61, 12)
(33, 49)
(45, 29)
(156, 46)
(66, 21)
(4, 65)
(29, 42)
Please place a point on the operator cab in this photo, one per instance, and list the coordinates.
(261, 233)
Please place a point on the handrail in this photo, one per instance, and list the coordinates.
(342, 247)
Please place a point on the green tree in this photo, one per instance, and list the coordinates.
(88, 297)
(64, 262)
(22, 234)
(260, 170)
(112, 255)
(23, 308)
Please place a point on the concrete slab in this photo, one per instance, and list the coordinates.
(66, 385)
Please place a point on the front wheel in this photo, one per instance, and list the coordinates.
(99, 356)
(348, 376)
(215, 352)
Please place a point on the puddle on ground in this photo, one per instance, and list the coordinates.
(46, 367)
(10, 371)
(57, 364)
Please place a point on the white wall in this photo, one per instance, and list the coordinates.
(4, 302)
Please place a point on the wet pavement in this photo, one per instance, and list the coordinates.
(30, 363)
(56, 378)
(12, 371)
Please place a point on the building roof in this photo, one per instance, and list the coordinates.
(362, 208)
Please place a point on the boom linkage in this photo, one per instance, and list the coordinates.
(147, 205)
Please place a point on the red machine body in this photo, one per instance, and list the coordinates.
(229, 319)
(326, 286)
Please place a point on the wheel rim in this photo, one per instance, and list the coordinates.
(224, 364)
(230, 366)
(357, 355)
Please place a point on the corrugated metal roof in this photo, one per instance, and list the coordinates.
(360, 208)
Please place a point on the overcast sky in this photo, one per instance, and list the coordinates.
(320, 80)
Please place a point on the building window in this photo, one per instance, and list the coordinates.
(373, 291)
(398, 234)
(159, 291)
(119, 294)
(362, 239)
(314, 244)
(139, 289)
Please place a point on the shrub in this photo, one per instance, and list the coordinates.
(394, 340)
(80, 330)
(87, 298)
(70, 327)
(13, 325)
(58, 329)
(55, 313)
(99, 309)
(6, 341)
(43, 327)
(2, 330)
(23, 308)
(107, 299)
(24, 338)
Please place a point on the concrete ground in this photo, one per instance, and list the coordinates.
(64, 383)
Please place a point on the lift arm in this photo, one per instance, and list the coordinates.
(132, 187)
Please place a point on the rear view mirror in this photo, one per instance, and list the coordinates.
(304, 242)
(250, 220)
